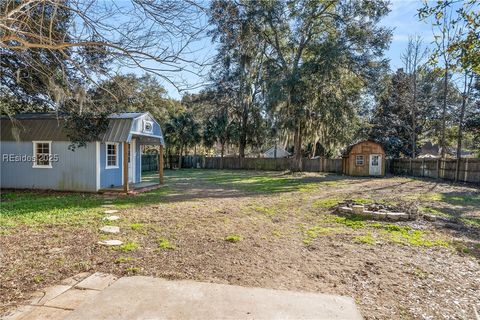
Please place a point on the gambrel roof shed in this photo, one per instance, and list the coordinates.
(35, 152)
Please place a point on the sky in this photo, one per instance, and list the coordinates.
(402, 19)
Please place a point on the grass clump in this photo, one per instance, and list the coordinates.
(136, 226)
(132, 270)
(363, 201)
(123, 259)
(471, 221)
(164, 244)
(353, 221)
(128, 246)
(407, 236)
(433, 211)
(314, 232)
(367, 239)
(265, 210)
(38, 279)
(326, 203)
(233, 238)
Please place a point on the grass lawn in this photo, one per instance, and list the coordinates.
(266, 229)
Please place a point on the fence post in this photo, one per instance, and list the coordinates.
(457, 170)
(465, 176)
(438, 168)
(410, 169)
(423, 167)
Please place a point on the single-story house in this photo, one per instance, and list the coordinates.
(35, 154)
(364, 158)
(277, 152)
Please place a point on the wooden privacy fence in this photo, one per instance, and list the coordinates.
(468, 169)
(446, 169)
(279, 164)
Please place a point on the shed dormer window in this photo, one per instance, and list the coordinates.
(147, 126)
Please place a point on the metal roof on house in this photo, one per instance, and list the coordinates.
(49, 126)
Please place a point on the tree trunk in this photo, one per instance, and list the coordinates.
(243, 131)
(297, 140)
(444, 113)
(466, 90)
(180, 158)
(414, 115)
(221, 155)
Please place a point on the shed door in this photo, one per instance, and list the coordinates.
(375, 168)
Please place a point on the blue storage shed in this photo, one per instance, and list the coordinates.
(35, 154)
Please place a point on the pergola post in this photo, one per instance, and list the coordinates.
(125, 167)
(160, 164)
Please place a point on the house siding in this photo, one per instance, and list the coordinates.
(111, 177)
(74, 170)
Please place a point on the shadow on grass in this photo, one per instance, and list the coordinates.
(37, 207)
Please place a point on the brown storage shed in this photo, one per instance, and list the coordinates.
(365, 158)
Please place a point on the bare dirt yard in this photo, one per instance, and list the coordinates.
(262, 229)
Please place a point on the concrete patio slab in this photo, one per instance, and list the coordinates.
(72, 299)
(97, 281)
(45, 313)
(153, 298)
(42, 296)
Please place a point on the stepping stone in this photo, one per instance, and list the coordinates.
(110, 242)
(111, 218)
(108, 206)
(110, 229)
(110, 211)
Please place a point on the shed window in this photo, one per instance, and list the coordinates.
(112, 155)
(359, 160)
(41, 151)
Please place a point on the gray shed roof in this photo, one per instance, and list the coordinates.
(49, 126)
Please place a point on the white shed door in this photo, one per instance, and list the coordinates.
(375, 168)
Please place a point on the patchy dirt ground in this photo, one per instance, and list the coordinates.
(265, 229)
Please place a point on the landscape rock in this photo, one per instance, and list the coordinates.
(358, 209)
(110, 229)
(110, 242)
(112, 218)
(397, 216)
(345, 210)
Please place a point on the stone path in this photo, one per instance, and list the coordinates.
(110, 229)
(102, 296)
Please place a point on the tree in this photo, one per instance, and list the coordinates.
(219, 129)
(239, 62)
(390, 116)
(53, 51)
(182, 131)
(292, 28)
(413, 59)
(457, 44)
